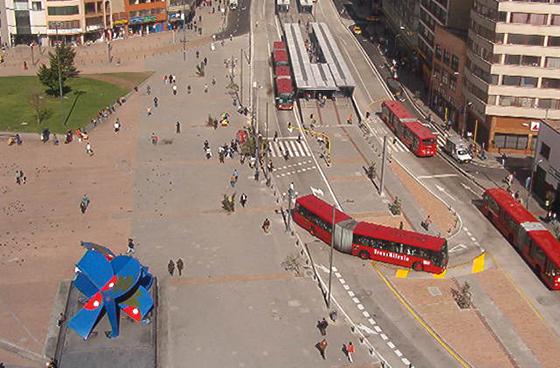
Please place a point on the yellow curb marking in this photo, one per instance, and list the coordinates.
(419, 319)
(402, 274)
(478, 264)
(440, 275)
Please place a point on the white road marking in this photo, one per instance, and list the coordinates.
(390, 344)
(372, 321)
(437, 176)
(317, 192)
(457, 248)
(366, 329)
(351, 293)
(356, 300)
(365, 314)
(360, 307)
(377, 328)
(398, 352)
(442, 189)
(384, 337)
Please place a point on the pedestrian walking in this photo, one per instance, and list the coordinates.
(178, 127)
(208, 153)
(148, 90)
(322, 326)
(84, 203)
(165, 79)
(174, 90)
(197, 54)
(213, 80)
(149, 111)
(156, 100)
(266, 225)
(130, 246)
(243, 200)
(349, 351)
(117, 126)
(427, 222)
(171, 267)
(154, 138)
(401, 225)
(322, 347)
(89, 150)
(189, 89)
(232, 181)
(205, 88)
(205, 61)
(180, 266)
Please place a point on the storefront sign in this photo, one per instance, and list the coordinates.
(175, 16)
(146, 19)
(120, 22)
(535, 126)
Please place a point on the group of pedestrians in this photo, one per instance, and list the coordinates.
(171, 267)
(348, 349)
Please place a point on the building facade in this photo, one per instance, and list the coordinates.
(446, 13)
(546, 177)
(4, 34)
(513, 72)
(445, 88)
(146, 16)
(401, 16)
(26, 22)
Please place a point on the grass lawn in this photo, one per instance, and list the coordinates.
(89, 94)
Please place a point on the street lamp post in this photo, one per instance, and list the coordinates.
(56, 25)
(184, 41)
(331, 256)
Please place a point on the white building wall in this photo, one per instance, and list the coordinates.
(551, 138)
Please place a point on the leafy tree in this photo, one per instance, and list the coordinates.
(48, 75)
(40, 110)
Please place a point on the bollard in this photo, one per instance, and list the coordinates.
(353, 329)
(371, 352)
(306, 261)
(361, 339)
(301, 252)
(297, 242)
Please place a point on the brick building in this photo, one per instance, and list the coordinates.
(446, 81)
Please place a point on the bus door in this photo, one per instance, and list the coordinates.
(415, 144)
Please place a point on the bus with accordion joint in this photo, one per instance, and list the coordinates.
(419, 139)
(403, 248)
(283, 85)
(530, 238)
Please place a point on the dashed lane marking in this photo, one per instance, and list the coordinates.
(390, 344)
(372, 321)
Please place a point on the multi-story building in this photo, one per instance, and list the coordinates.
(513, 72)
(445, 87)
(146, 16)
(446, 13)
(4, 34)
(25, 21)
(65, 21)
(179, 12)
(402, 17)
(546, 175)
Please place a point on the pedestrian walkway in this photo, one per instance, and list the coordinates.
(294, 147)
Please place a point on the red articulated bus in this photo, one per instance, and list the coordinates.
(370, 241)
(284, 88)
(418, 138)
(539, 248)
(279, 45)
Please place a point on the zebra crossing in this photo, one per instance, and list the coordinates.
(294, 147)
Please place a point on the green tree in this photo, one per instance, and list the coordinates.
(49, 75)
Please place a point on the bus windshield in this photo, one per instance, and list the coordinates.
(440, 258)
(428, 142)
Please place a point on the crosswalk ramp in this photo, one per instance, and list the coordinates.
(294, 147)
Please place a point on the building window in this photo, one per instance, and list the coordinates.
(529, 40)
(545, 150)
(70, 24)
(553, 41)
(36, 5)
(438, 52)
(551, 83)
(553, 62)
(509, 80)
(446, 57)
(455, 63)
(526, 102)
(549, 103)
(511, 141)
(555, 21)
(90, 8)
(526, 60)
(63, 10)
(529, 18)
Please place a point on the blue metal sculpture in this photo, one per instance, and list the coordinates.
(111, 283)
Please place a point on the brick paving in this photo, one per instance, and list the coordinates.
(441, 216)
(542, 341)
(41, 224)
(476, 344)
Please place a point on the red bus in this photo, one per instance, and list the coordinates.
(284, 88)
(280, 58)
(419, 139)
(370, 241)
(539, 248)
(279, 45)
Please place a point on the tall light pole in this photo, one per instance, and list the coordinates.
(56, 25)
(184, 41)
(332, 247)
